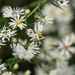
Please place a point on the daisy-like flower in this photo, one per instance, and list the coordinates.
(64, 15)
(61, 61)
(38, 29)
(46, 20)
(9, 12)
(33, 49)
(22, 53)
(7, 73)
(2, 67)
(65, 47)
(6, 34)
(37, 33)
(18, 22)
(49, 10)
(63, 2)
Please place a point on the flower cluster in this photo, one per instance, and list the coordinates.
(51, 52)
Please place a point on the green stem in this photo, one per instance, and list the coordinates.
(36, 8)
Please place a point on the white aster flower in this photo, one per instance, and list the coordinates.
(46, 20)
(33, 49)
(22, 53)
(7, 73)
(63, 2)
(6, 34)
(18, 22)
(38, 29)
(9, 12)
(2, 67)
(65, 47)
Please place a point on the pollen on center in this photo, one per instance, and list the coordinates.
(39, 33)
(52, 11)
(63, 14)
(17, 22)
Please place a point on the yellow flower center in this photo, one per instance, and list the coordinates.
(14, 12)
(24, 52)
(51, 43)
(17, 22)
(63, 14)
(39, 33)
(52, 11)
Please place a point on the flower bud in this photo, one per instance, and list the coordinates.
(27, 72)
(14, 40)
(15, 67)
(30, 32)
(27, 11)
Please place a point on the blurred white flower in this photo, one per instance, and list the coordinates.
(56, 72)
(49, 28)
(63, 2)
(49, 43)
(6, 34)
(64, 29)
(40, 71)
(65, 47)
(46, 20)
(49, 10)
(7, 73)
(2, 67)
(69, 70)
(65, 15)
(9, 12)
(18, 22)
